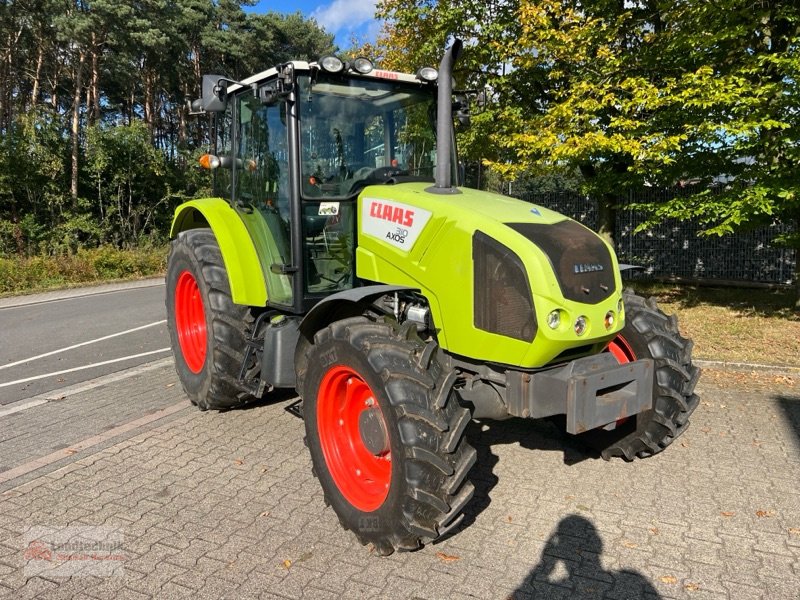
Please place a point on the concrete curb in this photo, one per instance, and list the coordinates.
(747, 367)
(105, 288)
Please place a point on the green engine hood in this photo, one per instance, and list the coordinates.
(407, 236)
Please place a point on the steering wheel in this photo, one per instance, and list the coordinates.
(367, 176)
(383, 174)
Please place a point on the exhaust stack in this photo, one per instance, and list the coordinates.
(444, 122)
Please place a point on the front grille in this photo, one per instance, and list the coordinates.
(503, 301)
(581, 261)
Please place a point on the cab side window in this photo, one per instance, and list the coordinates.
(262, 165)
(224, 148)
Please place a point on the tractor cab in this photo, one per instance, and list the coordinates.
(294, 148)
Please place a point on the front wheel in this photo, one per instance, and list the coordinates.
(207, 330)
(649, 333)
(386, 433)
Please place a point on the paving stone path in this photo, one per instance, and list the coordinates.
(223, 505)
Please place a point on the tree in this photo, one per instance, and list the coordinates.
(652, 92)
(77, 80)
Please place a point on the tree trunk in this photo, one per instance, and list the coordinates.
(94, 86)
(607, 217)
(75, 130)
(7, 76)
(182, 133)
(606, 207)
(797, 279)
(37, 77)
(149, 108)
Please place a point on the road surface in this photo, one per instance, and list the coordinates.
(51, 341)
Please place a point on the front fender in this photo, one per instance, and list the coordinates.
(245, 275)
(343, 304)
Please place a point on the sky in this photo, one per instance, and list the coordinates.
(343, 18)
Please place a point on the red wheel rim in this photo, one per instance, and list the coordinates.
(190, 321)
(621, 350)
(362, 477)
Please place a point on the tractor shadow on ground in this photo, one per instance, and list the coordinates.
(570, 567)
(277, 396)
(790, 406)
(529, 434)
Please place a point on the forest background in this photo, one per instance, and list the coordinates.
(604, 96)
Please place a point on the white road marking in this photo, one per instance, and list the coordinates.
(98, 364)
(94, 341)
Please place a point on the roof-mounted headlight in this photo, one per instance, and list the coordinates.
(362, 65)
(427, 74)
(331, 64)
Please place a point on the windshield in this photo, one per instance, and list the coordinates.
(357, 132)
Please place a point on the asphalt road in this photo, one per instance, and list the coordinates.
(52, 341)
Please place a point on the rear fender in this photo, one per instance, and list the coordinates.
(245, 275)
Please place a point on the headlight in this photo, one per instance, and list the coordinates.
(580, 325)
(554, 319)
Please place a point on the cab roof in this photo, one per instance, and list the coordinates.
(300, 65)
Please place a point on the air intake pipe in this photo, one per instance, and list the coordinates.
(444, 122)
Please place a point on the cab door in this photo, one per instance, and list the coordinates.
(261, 190)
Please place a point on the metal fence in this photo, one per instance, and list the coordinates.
(674, 249)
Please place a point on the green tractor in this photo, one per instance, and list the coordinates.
(341, 258)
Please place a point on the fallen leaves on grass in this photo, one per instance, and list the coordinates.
(728, 378)
(447, 557)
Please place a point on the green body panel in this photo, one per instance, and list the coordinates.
(439, 263)
(245, 273)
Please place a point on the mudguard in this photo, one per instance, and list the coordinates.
(320, 316)
(238, 252)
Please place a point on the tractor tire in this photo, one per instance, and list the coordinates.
(649, 333)
(207, 330)
(386, 433)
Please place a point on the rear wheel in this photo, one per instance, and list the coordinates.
(207, 330)
(386, 433)
(649, 333)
